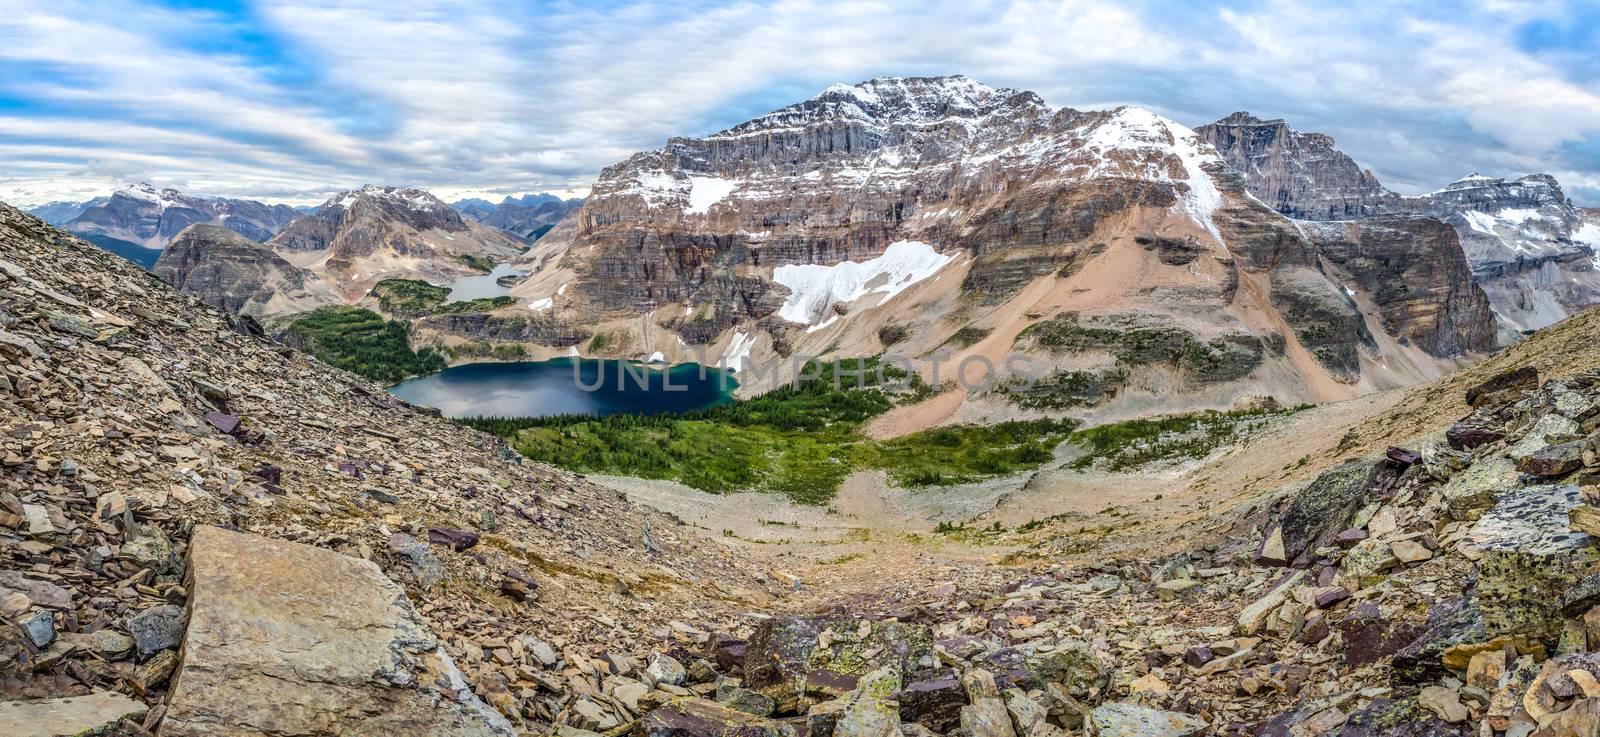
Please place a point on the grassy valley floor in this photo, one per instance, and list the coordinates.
(805, 439)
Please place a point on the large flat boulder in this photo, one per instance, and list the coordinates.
(79, 716)
(286, 638)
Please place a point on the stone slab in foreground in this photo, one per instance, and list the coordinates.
(289, 639)
(94, 714)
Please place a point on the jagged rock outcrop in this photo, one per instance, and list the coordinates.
(143, 214)
(1530, 249)
(363, 236)
(231, 272)
(1301, 175)
(785, 225)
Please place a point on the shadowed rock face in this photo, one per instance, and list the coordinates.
(1413, 268)
(143, 214)
(227, 270)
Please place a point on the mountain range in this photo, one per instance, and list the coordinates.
(206, 531)
(1126, 255)
(1115, 248)
(528, 217)
(141, 213)
(1530, 247)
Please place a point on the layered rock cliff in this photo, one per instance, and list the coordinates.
(1527, 244)
(977, 209)
(143, 214)
(232, 272)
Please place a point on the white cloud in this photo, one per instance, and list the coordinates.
(484, 97)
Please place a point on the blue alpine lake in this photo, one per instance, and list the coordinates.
(568, 386)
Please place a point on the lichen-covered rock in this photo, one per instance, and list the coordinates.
(1132, 720)
(871, 710)
(789, 658)
(1583, 596)
(1385, 717)
(701, 718)
(1553, 460)
(149, 547)
(157, 628)
(1317, 513)
(986, 714)
(1527, 558)
(1471, 492)
(1547, 430)
(1451, 623)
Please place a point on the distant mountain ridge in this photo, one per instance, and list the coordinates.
(151, 216)
(59, 212)
(1530, 247)
(527, 217)
(360, 237)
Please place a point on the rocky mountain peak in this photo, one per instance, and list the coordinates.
(407, 198)
(1492, 193)
(1299, 174)
(227, 270)
(889, 101)
(143, 213)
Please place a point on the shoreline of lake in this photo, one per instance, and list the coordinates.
(569, 385)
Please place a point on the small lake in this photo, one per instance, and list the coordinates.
(483, 286)
(568, 386)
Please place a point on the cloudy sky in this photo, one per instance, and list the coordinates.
(289, 101)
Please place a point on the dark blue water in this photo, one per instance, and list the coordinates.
(567, 386)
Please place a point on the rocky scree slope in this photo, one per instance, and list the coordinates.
(151, 216)
(982, 210)
(1530, 248)
(134, 415)
(361, 237)
(1449, 586)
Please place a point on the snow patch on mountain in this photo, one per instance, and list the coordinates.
(738, 351)
(707, 191)
(814, 288)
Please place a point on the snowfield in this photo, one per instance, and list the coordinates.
(707, 191)
(814, 288)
